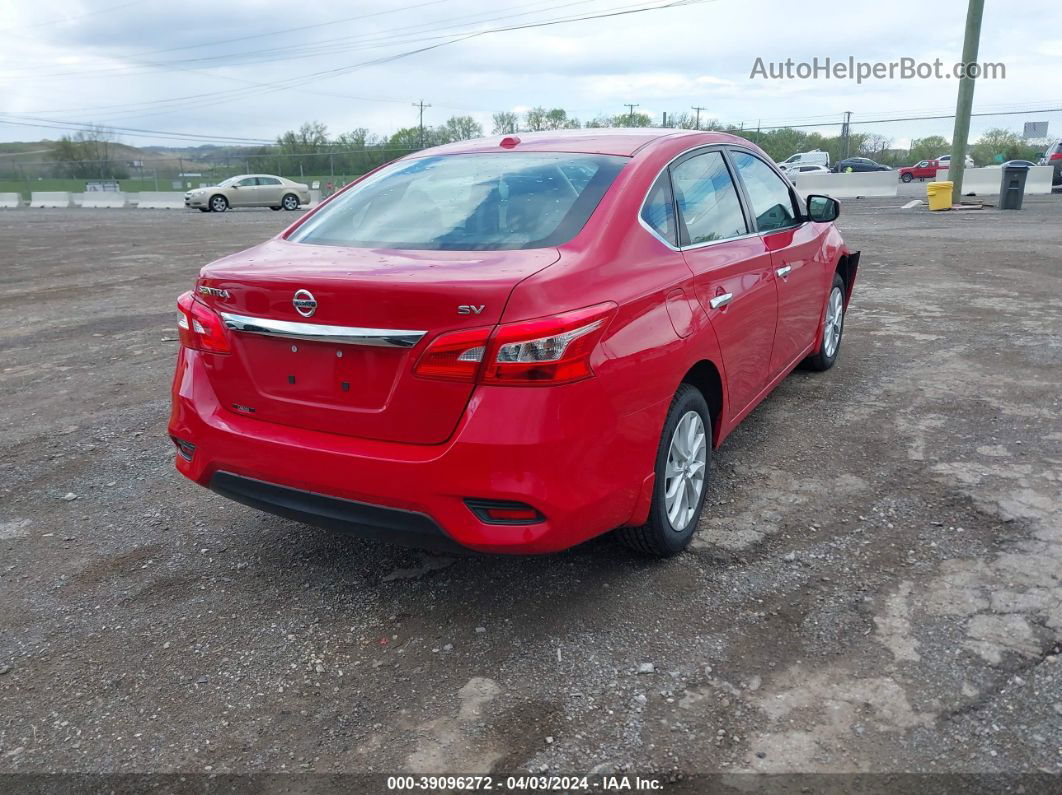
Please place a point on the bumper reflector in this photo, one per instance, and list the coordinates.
(504, 512)
(185, 450)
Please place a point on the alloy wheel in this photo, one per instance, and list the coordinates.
(687, 459)
(831, 334)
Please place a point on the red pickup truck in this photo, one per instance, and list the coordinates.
(924, 169)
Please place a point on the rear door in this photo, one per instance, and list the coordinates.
(732, 270)
(270, 191)
(795, 247)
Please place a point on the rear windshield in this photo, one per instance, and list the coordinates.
(503, 201)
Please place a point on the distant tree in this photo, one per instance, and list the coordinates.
(536, 119)
(631, 120)
(997, 145)
(558, 119)
(408, 138)
(457, 128)
(928, 148)
(89, 154)
(600, 121)
(873, 145)
(505, 123)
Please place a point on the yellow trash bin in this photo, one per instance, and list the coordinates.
(939, 194)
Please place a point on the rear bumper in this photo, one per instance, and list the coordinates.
(560, 450)
(335, 513)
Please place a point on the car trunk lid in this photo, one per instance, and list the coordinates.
(385, 306)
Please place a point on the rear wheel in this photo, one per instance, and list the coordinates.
(832, 328)
(682, 461)
(290, 201)
(218, 204)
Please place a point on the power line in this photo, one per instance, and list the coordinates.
(58, 20)
(216, 97)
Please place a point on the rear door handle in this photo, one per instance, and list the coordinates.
(784, 271)
(721, 300)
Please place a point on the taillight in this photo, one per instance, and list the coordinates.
(552, 350)
(544, 351)
(199, 327)
(1056, 156)
(455, 356)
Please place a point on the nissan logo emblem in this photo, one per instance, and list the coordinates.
(304, 302)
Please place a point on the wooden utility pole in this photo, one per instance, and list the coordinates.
(422, 106)
(630, 116)
(964, 104)
(698, 108)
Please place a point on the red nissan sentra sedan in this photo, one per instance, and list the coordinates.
(510, 344)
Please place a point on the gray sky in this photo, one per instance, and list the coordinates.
(159, 65)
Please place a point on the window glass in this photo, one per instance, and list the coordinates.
(247, 182)
(772, 203)
(707, 199)
(468, 202)
(268, 181)
(659, 210)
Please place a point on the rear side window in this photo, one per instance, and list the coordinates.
(659, 210)
(772, 203)
(708, 204)
(468, 202)
(268, 181)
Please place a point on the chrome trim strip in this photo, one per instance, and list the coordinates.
(345, 335)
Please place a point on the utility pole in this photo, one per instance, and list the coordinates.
(422, 106)
(664, 123)
(964, 104)
(846, 131)
(698, 108)
(630, 116)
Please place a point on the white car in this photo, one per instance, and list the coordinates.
(792, 171)
(814, 158)
(945, 161)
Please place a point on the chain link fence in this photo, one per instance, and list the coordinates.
(333, 168)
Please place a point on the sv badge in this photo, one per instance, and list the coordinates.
(468, 309)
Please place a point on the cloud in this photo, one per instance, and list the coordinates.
(76, 60)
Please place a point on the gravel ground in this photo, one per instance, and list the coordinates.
(876, 587)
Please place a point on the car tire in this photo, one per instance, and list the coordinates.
(218, 204)
(682, 468)
(275, 208)
(204, 209)
(832, 329)
(906, 177)
(290, 201)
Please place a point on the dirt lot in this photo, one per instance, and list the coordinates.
(877, 585)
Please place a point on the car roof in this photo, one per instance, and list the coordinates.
(605, 141)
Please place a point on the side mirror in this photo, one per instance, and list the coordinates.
(823, 209)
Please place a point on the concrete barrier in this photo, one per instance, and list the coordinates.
(315, 197)
(51, 199)
(986, 181)
(160, 200)
(9, 201)
(104, 198)
(848, 186)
